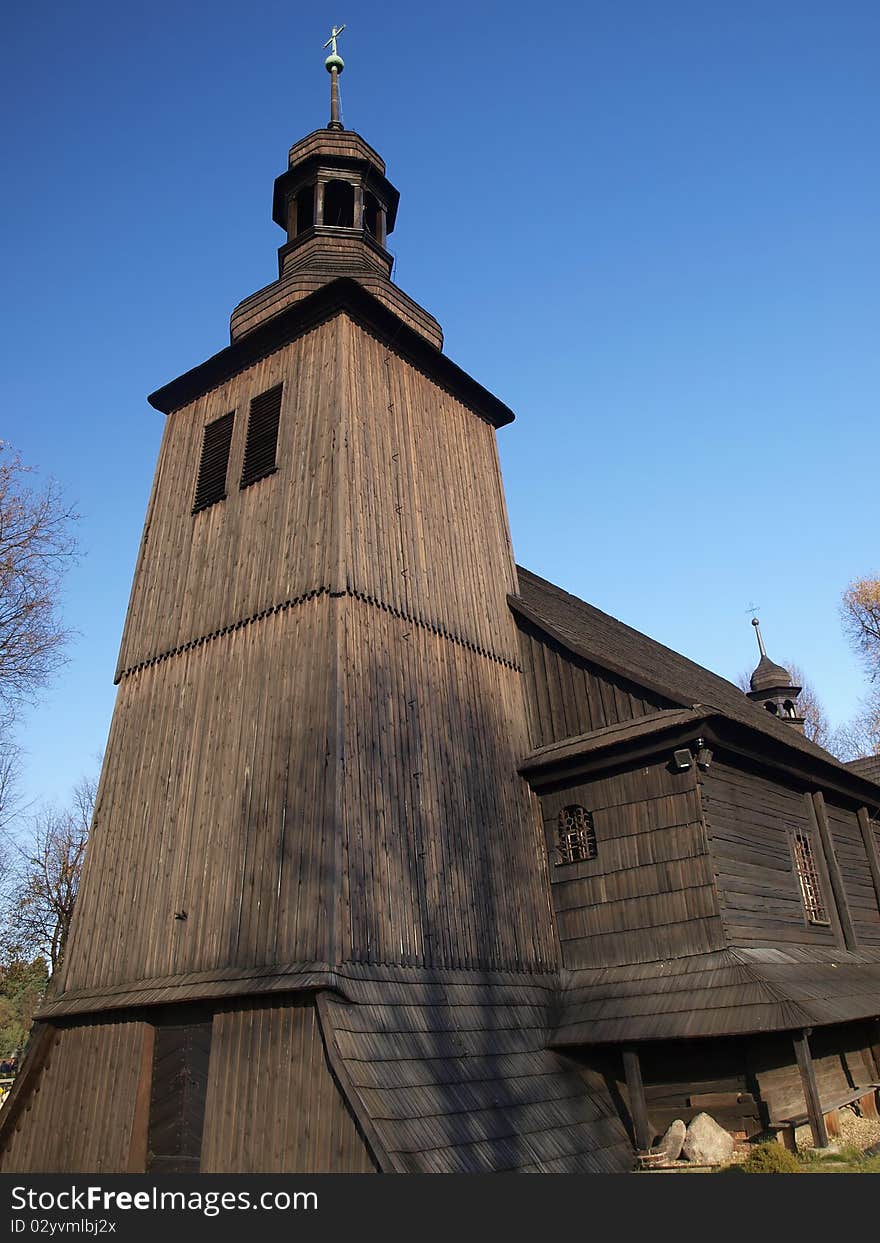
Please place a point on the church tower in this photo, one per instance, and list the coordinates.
(310, 786)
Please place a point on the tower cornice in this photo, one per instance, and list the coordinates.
(343, 294)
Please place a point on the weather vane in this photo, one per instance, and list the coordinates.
(334, 64)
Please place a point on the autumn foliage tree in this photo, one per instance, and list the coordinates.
(860, 610)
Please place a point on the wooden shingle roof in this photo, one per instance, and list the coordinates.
(603, 640)
(456, 1078)
(733, 991)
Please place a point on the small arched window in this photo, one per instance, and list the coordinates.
(339, 204)
(576, 835)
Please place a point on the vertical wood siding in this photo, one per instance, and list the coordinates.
(80, 1113)
(272, 1105)
(216, 802)
(567, 696)
(334, 779)
(441, 858)
(262, 545)
(649, 892)
(424, 523)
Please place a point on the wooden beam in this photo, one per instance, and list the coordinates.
(140, 1123)
(834, 873)
(868, 837)
(811, 1090)
(638, 1109)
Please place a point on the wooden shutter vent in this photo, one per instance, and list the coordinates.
(211, 483)
(262, 436)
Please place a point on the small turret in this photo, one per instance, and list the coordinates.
(772, 686)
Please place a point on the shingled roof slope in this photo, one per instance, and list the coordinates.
(605, 641)
(868, 766)
(726, 992)
(456, 1078)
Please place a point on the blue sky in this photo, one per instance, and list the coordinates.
(651, 228)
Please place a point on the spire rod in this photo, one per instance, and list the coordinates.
(757, 626)
(334, 64)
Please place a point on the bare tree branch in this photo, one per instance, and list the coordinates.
(36, 547)
(44, 891)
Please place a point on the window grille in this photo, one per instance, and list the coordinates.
(811, 890)
(577, 837)
(262, 436)
(211, 482)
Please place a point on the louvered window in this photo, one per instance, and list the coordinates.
(262, 436)
(211, 483)
(808, 876)
(577, 837)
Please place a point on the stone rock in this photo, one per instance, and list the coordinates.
(670, 1143)
(707, 1143)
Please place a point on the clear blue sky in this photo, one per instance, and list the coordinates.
(651, 228)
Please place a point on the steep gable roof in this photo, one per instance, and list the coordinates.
(597, 637)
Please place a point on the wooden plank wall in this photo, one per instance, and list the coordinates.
(748, 817)
(272, 1105)
(649, 892)
(841, 1057)
(219, 797)
(216, 801)
(424, 520)
(443, 863)
(79, 1118)
(849, 847)
(264, 544)
(387, 486)
(567, 696)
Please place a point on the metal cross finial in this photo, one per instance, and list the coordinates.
(334, 35)
(334, 64)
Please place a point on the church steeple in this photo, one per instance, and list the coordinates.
(337, 208)
(772, 686)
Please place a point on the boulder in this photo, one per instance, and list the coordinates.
(670, 1144)
(707, 1143)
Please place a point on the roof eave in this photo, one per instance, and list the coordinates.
(342, 294)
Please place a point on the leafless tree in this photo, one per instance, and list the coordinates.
(44, 890)
(860, 736)
(817, 727)
(36, 547)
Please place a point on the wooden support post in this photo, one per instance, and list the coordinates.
(833, 868)
(811, 1091)
(138, 1144)
(638, 1109)
(867, 831)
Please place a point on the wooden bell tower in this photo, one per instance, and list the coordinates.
(310, 780)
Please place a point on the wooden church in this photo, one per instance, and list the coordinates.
(404, 859)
